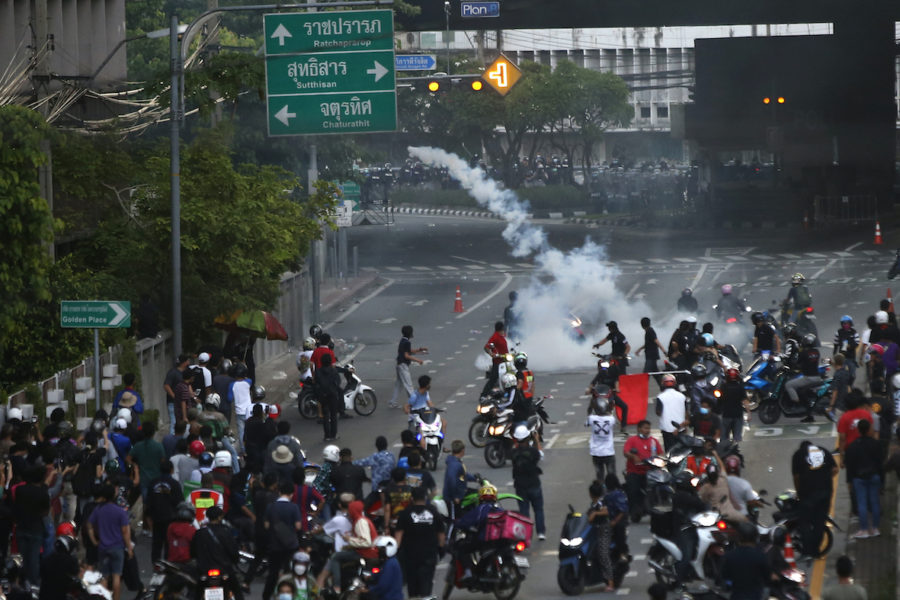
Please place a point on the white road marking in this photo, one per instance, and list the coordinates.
(818, 273)
(475, 267)
(631, 262)
(659, 261)
(395, 268)
(460, 393)
(449, 401)
(623, 591)
(569, 413)
(421, 268)
(527, 266)
(499, 266)
(871, 252)
(814, 255)
(500, 287)
(480, 262)
(350, 310)
(560, 383)
(790, 255)
(632, 290)
(736, 257)
(448, 268)
(470, 385)
(844, 253)
(851, 247)
(549, 443)
(763, 257)
(684, 260)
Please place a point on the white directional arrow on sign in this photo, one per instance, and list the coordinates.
(378, 71)
(281, 32)
(120, 314)
(284, 116)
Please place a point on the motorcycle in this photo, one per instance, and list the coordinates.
(212, 585)
(357, 395)
(778, 401)
(428, 432)
(577, 568)
(806, 321)
(759, 378)
(791, 516)
(498, 569)
(170, 580)
(478, 430)
(712, 539)
(500, 445)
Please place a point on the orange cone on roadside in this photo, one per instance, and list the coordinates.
(877, 233)
(457, 304)
(789, 551)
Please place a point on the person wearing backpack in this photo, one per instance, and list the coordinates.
(798, 296)
(163, 498)
(89, 471)
(527, 478)
(180, 534)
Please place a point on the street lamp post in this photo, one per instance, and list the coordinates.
(447, 39)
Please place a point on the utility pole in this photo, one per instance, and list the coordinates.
(175, 142)
(43, 44)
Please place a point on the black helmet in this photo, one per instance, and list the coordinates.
(206, 459)
(315, 331)
(258, 392)
(240, 371)
(790, 329)
(184, 512)
(756, 318)
(65, 544)
(698, 371)
(808, 341)
(520, 360)
(687, 292)
(683, 480)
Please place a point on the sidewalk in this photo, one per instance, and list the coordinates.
(876, 559)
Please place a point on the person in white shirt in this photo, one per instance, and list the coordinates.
(602, 423)
(671, 406)
(742, 493)
(304, 359)
(239, 396)
(340, 523)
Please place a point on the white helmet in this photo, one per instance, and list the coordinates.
(440, 505)
(331, 453)
(124, 413)
(121, 424)
(508, 381)
(14, 413)
(309, 343)
(214, 400)
(521, 433)
(881, 317)
(388, 544)
(222, 459)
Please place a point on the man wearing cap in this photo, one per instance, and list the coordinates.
(283, 437)
(121, 443)
(282, 462)
(129, 398)
(214, 547)
(173, 378)
(203, 380)
(619, 345)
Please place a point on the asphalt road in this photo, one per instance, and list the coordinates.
(421, 260)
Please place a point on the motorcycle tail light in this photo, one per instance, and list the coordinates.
(213, 573)
(520, 546)
(375, 570)
(721, 525)
(731, 320)
(717, 393)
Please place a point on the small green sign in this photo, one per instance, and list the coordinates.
(95, 314)
(353, 112)
(292, 33)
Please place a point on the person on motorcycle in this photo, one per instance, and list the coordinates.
(733, 405)
(730, 308)
(598, 516)
(619, 345)
(745, 569)
(602, 424)
(676, 524)
(808, 364)
(715, 491)
(617, 504)
(474, 522)
(706, 423)
(359, 543)
(884, 331)
(709, 350)
(699, 388)
(671, 406)
(798, 297)
(687, 303)
(765, 336)
(511, 316)
(524, 375)
(608, 371)
(846, 342)
(742, 493)
(701, 457)
(419, 401)
(304, 362)
(497, 348)
(637, 449)
(389, 585)
(214, 547)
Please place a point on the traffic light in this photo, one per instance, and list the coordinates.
(779, 100)
(445, 83)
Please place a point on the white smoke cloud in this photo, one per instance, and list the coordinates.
(563, 284)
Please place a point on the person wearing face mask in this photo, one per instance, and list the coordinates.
(637, 449)
(706, 423)
(299, 583)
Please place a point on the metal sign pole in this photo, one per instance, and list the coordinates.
(96, 370)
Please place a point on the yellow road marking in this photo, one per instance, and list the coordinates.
(818, 570)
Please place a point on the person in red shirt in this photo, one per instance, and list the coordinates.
(497, 348)
(322, 349)
(180, 533)
(639, 448)
(848, 433)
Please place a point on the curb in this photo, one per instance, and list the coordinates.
(446, 212)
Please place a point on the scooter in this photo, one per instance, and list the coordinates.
(428, 425)
(478, 430)
(778, 402)
(791, 516)
(357, 395)
(712, 540)
(577, 548)
(500, 445)
(759, 378)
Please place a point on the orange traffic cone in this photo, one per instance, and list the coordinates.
(877, 233)
(789, 551)
(890, 297)
(457, 304)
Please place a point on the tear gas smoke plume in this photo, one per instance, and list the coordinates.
(563, 285)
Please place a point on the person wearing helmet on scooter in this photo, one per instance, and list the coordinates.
(742, 493)
(527, 478)
(705, 422)
(389, 585)
(765, 336)
(798, 298)
(602, 423)
(619, 346)
(846, 342)
(733, 406)
(714, 490)
(672, 407)
(304, 364)
(730, 308)
(474, 521)
(686, 302)
(524, 375)
(59, 569)
(808, 365)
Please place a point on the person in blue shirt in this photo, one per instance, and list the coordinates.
(389, 585)
(455, 478)
(420, 401)
(129, 398)
(382, 461)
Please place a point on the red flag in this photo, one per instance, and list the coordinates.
(633, 390)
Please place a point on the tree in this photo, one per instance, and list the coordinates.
(26, 224)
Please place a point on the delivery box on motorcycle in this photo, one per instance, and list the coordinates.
(508, 525)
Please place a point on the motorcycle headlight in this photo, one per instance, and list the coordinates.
(746, 378)
(706, 519)
(714, 381)
(496, 429)
(574, 542)
(484, 409)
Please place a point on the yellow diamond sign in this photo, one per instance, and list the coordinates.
(502, 75)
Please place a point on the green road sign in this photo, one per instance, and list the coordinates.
(330, 72)
(95, 314)
(354, 112)
(293, 33)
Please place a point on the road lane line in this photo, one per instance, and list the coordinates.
(818, 273)
(849, 248)
(472, 260)
(632, 290)
(350, 310)
(549, 443)
(500, 287)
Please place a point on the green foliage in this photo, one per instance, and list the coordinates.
(129, 363)
(151, 415)
(26, 224)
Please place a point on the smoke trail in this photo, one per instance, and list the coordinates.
(578, 282)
